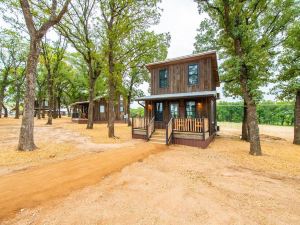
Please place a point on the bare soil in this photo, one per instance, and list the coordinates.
(222, 184)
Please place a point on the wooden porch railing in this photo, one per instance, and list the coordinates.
(169, 131)
(196, 125)
(150, 128)
(139, 123)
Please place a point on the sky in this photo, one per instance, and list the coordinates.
(181, 19)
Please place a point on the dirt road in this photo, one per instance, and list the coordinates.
(29, 188)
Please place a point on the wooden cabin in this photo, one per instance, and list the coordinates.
(182, 106)
(80, 110)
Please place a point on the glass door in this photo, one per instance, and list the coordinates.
(174, 109)
(158, 111)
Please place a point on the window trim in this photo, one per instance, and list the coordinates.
(167, 71)
(188, 73)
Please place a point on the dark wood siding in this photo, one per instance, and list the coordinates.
(104, 116)
(178, 78)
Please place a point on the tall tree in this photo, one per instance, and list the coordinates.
(53, 57)
(206, 40)
(79, 27)
(145, 47)
(7, 60)
(39, 18)
(289, 77)
(248, 31)
(121, 19)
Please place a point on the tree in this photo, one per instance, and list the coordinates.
(144, 48)
(121, 19)
(7, 52)
(289, 77)
(53, 56)
(79, 27)
(248, 31)
(206, 40)
(41, 90)
(39, 18)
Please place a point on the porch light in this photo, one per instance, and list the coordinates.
(199, 106)
(149, 107)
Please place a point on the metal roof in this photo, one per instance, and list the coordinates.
(182, 57)
(178, 95)
(86, 102)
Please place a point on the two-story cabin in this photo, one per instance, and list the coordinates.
(182, 106)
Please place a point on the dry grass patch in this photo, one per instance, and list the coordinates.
(99, 133)
(279, 155)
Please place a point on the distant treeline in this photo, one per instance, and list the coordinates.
(274, 113)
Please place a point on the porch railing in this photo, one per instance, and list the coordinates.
(169, 131)
(150, 128)
(196, 125)
(139, 123)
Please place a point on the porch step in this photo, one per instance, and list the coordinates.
(158, 137)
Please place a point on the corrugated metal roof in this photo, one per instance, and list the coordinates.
(178, 95)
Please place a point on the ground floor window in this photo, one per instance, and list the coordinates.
(174, 110)
(158, 111)
(102, 109)
(190, 109)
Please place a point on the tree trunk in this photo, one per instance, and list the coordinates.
(92, 82)
(18, 96)
(54, 113)
(297, 120)
(245, 130)
(254, 139)
(50, 97)
(128, 110)
(26, 140)
(43, 109)
(68, 111)
(39, 109)
(112, 92)
(58, 105)
(2, 90)
(5, 111)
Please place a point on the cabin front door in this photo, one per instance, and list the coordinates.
(174, 109)
(159, 112)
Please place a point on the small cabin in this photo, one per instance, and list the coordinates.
(182, 106)
(80, 110)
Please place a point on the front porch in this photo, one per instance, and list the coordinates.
(188, 119)
(184, 131)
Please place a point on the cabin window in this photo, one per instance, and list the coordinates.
(163, 78)
(193, 74)
(102, 108)
(190, 109)
(159, 111)
(174, 110)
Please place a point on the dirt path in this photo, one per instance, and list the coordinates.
(33, 186)
(182, 186)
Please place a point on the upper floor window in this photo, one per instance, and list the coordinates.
(193, 74)
(163, 78)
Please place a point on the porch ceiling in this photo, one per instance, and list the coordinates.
(178, 95)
